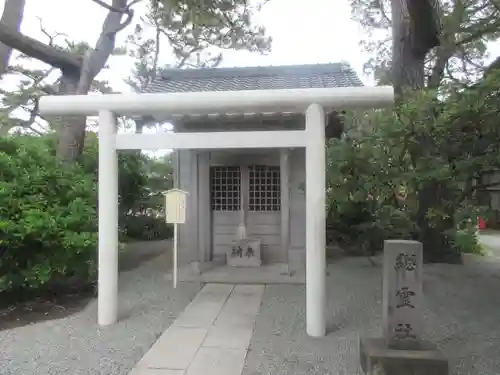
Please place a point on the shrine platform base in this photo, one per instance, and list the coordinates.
(213, 272)
(377, 359)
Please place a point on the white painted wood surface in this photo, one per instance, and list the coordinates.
(210, 102)
(107, 299)
(315, 222)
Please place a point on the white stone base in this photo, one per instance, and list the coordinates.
(245, 253)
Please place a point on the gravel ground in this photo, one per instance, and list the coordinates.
(76, 345)
(462, 317)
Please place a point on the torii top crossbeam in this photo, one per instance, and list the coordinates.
(222, 102)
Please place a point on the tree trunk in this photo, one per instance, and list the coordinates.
(12, 17)
(415, 32)
(72, 132)
(72, 136)
(407, 68)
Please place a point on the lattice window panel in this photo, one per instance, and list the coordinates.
(225, 188)
(264, 188)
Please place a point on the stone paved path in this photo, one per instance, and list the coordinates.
(491, 239)
(211, 337)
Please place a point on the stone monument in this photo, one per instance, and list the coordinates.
(401, 350)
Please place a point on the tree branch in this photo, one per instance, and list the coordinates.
(154, 69)
(114, 8)
(38, 50)
(495, 64)
(95, 59)
(490, 69)
(127, 9)
(47, 34)
(443, 54)
(12, 17)
(111, 8)
(425, 25)
(380, 6)
(489, 29)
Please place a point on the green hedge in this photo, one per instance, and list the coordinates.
(47, 216)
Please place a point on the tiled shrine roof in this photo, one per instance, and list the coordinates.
(256, 78)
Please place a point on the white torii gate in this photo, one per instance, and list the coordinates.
(313, 102)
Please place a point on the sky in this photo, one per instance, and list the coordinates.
(321, 32)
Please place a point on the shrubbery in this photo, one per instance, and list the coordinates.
(48, 217)
(141, 227)
(428, 157)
